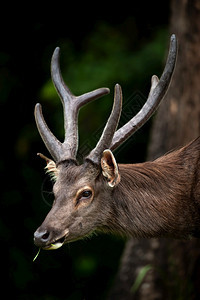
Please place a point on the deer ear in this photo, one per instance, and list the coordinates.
(50, 167)
(109, 168)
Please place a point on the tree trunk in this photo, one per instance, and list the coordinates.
(175, 264)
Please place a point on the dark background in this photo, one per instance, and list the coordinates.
(99, 47)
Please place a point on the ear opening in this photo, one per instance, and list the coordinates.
(109, 168)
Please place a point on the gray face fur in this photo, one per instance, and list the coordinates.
(77, 210)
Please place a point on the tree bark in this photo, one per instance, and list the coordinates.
(175, 264)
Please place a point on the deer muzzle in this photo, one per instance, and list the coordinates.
(49, 240)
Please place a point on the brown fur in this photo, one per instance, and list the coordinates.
(160, 198)
(152, 199)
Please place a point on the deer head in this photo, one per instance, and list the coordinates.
(84, 192)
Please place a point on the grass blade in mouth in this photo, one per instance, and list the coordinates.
(37, 255)
(54, 246)
(57, 244)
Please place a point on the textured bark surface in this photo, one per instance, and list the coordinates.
(175, 272)
(178, 118)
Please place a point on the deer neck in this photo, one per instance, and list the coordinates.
(153, 199)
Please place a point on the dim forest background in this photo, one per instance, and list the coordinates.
(124, 45)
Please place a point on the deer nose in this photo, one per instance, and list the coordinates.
(41, 238)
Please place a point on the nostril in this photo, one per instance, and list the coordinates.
(41, 237)
(45, 236)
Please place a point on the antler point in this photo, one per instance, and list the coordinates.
(118, 87)
(38, 107)
(57, 49)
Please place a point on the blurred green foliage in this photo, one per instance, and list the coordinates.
(126, 50)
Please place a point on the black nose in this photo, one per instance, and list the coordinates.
(41, 238)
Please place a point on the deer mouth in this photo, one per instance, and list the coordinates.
(57, 243)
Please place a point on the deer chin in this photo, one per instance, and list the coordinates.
(57, 243)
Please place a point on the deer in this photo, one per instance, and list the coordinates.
(159, 198)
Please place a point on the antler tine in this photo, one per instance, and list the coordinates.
(71, 106)
(109, 130)
(63, 90)
(56, 76)
(157, 92)
(53, 145)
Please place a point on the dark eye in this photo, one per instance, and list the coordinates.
(84, 197)
(86, 194)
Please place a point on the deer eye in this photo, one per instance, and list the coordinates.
(84, 195)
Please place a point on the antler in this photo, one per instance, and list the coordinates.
(71, 105)
(109, 130)
(110, 138)
(157, 92)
